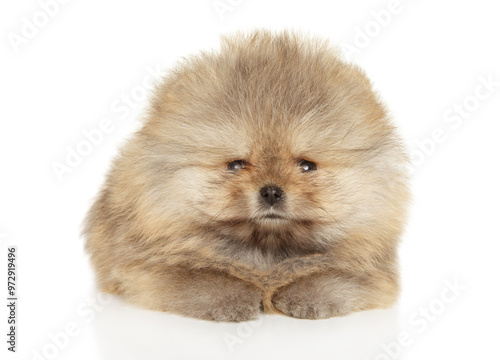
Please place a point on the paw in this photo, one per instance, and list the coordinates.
(234, 309)
(310, 300)
(305, 307)
(233, 312)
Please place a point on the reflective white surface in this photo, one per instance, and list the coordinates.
(121, 331)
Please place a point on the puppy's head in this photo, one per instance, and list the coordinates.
(272, 142)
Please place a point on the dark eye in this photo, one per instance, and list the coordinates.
(236, 165)
(306, 166)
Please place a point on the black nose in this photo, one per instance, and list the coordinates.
(271, 194)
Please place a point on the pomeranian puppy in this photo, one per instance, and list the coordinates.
(267, 177)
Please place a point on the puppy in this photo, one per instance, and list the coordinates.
(266, 177)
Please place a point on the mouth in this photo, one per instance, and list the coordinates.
(273, 216)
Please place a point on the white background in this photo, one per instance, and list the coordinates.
(426, 60)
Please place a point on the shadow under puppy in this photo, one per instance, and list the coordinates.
(266, 176)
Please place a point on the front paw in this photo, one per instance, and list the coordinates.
(234, 309)
(314, 300)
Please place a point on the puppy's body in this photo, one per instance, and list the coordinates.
(265, 176)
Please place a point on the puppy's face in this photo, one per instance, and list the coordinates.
(272, 152)
(273, 181)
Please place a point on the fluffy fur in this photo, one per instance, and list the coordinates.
(174, 229)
